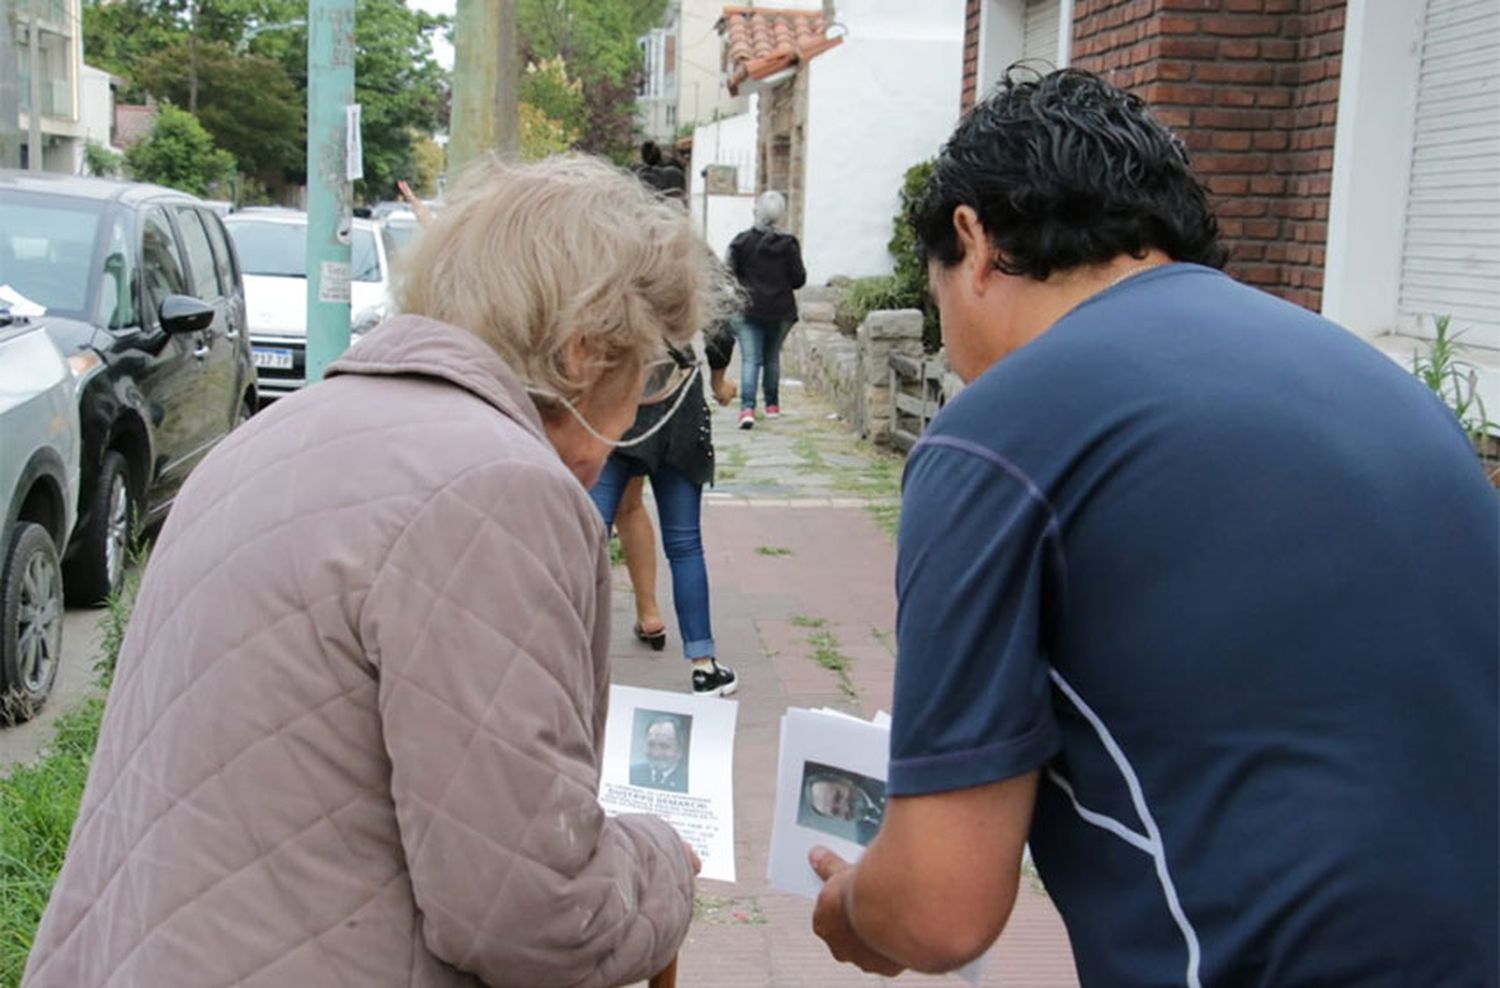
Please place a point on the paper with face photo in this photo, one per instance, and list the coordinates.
(837, 747)
(672, 755)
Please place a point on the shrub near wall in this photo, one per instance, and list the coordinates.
(906, 287)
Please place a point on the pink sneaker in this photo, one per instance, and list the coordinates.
(773, 411)
(747, 418)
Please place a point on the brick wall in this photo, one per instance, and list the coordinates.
(971, 52)
(1252, 88)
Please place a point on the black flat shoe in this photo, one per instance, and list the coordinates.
(656, 639)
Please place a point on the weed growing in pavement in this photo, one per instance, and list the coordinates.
(773, 550)
(721, 910)
(1453, 379)
(803, 621)
(826, 654)
(616, 552)
(117, 609)
(807, 450)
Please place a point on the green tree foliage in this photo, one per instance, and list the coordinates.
(247, 103)
(101, 161)
(400, 87)
(251, 65)
(428, 162)
(547, 87)
(180, 154)
(122, 33)
(597, 40)
(540, 134)
(551, 111)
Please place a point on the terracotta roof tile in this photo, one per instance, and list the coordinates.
(763, 41)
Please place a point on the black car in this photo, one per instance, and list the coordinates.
(143, 294)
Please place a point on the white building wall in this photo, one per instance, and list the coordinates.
(879, 103)
(701, 93)
(96, 106)
(1372, 166)
(718, 218)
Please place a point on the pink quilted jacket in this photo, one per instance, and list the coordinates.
(354, 738)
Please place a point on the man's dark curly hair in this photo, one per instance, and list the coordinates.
(1066, 170)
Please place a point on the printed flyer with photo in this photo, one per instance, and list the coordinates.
(672, 755)
(830, 790)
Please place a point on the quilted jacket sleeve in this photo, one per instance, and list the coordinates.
(484, 622)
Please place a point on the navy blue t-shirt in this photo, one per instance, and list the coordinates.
(1228, 576)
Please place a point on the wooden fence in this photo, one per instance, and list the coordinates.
(916, 397)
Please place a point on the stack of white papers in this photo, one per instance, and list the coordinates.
(830, 791)
(672, 755)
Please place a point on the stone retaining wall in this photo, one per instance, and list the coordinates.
(854, 374)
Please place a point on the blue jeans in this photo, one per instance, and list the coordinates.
(679, 503)
(760, 347)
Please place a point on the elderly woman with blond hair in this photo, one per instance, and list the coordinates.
(354, 737)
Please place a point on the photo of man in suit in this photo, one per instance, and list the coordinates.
(663, 739)
(842, 803)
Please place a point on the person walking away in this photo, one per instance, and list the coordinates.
(671, 443)
(632, 520)
(1196, 592)
(768, 264)
(380, 765)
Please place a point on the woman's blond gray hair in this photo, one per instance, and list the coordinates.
(532, 256)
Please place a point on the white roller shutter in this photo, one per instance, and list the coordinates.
(1042, 36)
(1450, 263)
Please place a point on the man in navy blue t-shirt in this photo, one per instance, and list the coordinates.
(1197, 594)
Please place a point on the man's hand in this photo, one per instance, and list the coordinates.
(831, 919)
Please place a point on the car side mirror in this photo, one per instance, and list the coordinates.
(185, 314)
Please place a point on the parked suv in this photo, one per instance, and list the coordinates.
(142, 293)
(39, 495)
(272, 245)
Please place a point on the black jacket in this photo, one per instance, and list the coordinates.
(768, 263)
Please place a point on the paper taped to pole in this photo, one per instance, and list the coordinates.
(672, 755)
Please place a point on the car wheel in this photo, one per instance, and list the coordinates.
(31, 622)
(246, 412)
(98, 569)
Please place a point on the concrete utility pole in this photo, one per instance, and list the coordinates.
(486, 77)
(330, 174)
(34, 152)
(10, 89)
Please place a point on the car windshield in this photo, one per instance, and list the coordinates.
(47, 249)
(279, 250)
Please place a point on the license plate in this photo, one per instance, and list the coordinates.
(273, 359)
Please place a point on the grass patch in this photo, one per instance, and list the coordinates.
(807, 449)
(772, 550)
(803, 621)
(39, 802)
(736, 457)
(887, 517)
(616, 552)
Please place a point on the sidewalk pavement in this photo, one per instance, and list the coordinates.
(798, 537)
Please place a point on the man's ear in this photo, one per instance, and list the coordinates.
(976, 244)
